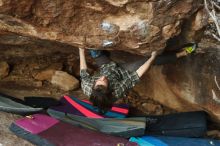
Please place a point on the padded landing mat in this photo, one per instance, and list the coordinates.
(13, 105)
(173, 141)
(53, 132)
(123, 127)
(72, 105)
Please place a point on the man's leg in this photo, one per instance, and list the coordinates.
(100, 57)
(161, 59)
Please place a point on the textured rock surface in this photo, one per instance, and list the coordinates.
(130, 25)
(4, 69)
(64, 81)
(46, 74)
(36, 34)
(190, 84)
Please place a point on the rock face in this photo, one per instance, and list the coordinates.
(130, 25)
(47, 73)
(190, 84)
(64, 81)
(4, 69)
(33, 28)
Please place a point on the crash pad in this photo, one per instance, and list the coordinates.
(41, 130)
(16, 106)
(173, 141)
(123, 127)
(73, 105)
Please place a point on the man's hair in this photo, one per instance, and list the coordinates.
(102, 98)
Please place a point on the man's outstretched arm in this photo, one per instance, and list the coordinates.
(82, 59)
(146, 66)
(86, 83)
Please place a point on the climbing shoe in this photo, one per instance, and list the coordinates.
(191, 49)
(95, 53)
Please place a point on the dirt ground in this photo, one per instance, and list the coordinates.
(7, 138)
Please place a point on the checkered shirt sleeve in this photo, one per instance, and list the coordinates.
(86, 82)
(130, 79)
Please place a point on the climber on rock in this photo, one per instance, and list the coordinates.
(114, 80)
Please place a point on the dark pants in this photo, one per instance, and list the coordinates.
(133, 66)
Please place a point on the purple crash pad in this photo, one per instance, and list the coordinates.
(59, 133)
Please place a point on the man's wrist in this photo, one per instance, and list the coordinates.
(81, 50)
(152, 58)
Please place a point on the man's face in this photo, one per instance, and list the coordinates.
(103, 80)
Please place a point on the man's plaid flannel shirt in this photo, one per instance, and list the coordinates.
(120, 80)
